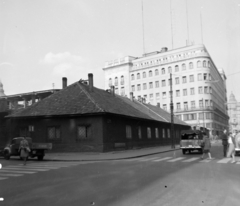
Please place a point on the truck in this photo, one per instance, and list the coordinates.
(191, 140)
(37, 149)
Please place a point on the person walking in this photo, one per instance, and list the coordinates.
(24, 150)
(207, 146)
(225, 143)
(231, 148)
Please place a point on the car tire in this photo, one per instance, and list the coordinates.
(6, 154)
(40, 157)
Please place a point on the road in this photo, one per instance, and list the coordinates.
(164, 179)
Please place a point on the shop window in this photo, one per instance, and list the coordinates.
(54, 133)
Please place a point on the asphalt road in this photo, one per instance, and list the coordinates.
(165, 179)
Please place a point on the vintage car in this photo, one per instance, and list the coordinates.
(191, 140)
(37, 149)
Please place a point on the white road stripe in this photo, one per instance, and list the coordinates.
(191, 159)
(206, 160)
(40, 167)
(176, 159)
(25, 168)
(3, 178)
(136, 159)
(11, 175)
(162, 159)
(149, 159)
(13, 171)
(225, 160)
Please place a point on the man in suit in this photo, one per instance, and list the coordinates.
(225, 143)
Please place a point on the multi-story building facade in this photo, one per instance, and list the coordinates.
(198, 87)
(234, 113)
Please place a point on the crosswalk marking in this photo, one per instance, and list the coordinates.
(176, 159)
(11, 175)
(191, 159)
(26, 168)
(148, 159)
(225, 160)
(16, 171)
(3, 178)
(162, 159)
(206, 160)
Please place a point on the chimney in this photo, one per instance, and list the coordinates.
(113, 90)
(131, 96)
(158, 104)
(90, 81)
(64, 82)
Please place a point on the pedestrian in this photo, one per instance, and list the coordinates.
(225, 143)
(206, 146)
(24, 150)
(231, 148)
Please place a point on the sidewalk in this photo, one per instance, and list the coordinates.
(113, 155)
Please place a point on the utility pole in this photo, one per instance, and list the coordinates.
(172, 115)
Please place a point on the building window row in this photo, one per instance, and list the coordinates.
(110, 83)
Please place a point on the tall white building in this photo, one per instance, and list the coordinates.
(234, 113)
(199, 88)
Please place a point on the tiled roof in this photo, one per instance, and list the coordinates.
(76, 99)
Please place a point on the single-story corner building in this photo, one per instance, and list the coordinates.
(81, 117)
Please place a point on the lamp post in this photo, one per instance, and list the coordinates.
(172, 115)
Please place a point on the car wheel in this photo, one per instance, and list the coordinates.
(6, 155)
(40, 157)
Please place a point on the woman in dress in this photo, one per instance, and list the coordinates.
(207, 146)
(231, 147)
(24, 150)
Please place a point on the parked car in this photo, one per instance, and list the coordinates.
(37, 149)
(191, 140)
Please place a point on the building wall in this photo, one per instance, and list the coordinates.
(206, 108)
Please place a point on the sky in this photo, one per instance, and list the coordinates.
(42, 41)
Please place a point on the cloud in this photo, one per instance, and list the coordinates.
(65, 57)
(6, 64)
(62, 69)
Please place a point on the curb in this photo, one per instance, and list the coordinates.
(121, 158)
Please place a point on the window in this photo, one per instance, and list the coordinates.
(200, 116)
(150, 85)
(132, 77)
(54, 133)
(183, 66)
(177, 80)
(163, 133)
(210, 90)
(157, 84)
(150, 96)
(208, 115)
(192, 104)
(199, 77)
(200, 90)
(185, 92)
(139, 87)
(176, 68)
(209, 65)
(157, 95)
(138, 75)
(156, 72)
(163, 83)
(191, 78)
(163, 71)
(190, 65)
(209, 77)
(168, 133)
(164, 95)
(144, 75)
(139, 132)
(199, 64)
(204, 76)
(149, 135)
(122, 91)
(178, 106)
(128, 132)
(156, 133)
(116, 81)
(150, 73)
(192, 91)
(177, 93)
(179, 116)
(204, 63)
(206, 103)
(169, 69)
(165, 107)
(205, 90)
(192, 116)
(184, 79)
(110, 82)
(83, 132)
(185, 105)
(200, 103)
(122, 80)
(144, 86)
(133, 88)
